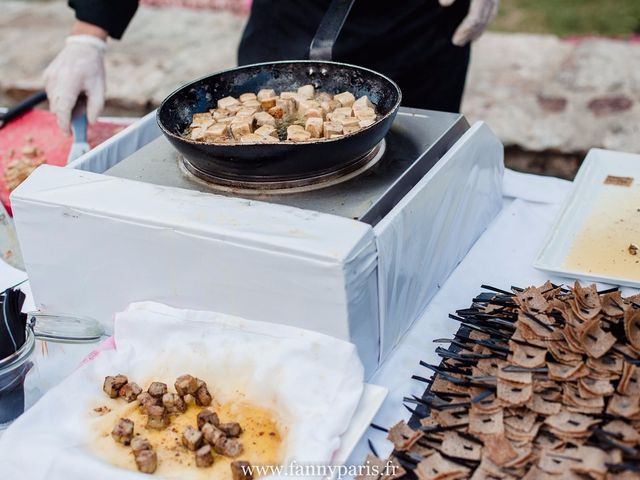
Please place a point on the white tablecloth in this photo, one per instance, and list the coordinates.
(501, 257)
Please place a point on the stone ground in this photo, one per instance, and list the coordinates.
(549, 100)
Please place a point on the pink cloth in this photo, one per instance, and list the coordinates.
(108, 344)
(241, 7)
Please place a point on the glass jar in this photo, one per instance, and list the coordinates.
(15, 368)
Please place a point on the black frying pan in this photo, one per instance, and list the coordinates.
(282, 161)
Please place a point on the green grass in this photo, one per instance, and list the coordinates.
(569, 17)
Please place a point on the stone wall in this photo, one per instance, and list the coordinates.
(538, 93)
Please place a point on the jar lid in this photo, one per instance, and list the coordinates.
(62, 328)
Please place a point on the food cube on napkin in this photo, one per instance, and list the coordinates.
(310, 382)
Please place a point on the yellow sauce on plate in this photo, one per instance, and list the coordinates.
(261, 439)
(602, 245)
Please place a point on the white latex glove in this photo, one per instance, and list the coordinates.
(481, 12)
(78, 68)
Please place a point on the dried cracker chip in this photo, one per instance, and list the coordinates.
(613, 305)
(371, 468)
(569, 422)
(623, 431)
(610, 363)
(586, 302)
(485, 423)
(436, 467)
(628, 373)
(540, 405)
(596, 387)
(498, 449)
(595, 341)
(623, 405)
(632, 327)
(455, 445)
(593, 462)
(557, 462)
(511, 393)
(561, 372)
(531, 300)
(403, 436)
(526, 356)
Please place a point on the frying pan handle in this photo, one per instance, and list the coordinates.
(22, 107)
(322, 44)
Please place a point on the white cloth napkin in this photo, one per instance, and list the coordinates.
(312, 381)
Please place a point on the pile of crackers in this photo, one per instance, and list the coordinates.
(539, 383)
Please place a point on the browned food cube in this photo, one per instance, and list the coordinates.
(239, 128)
(343, 112)
(313, 125)
(157, 417)
(314, 113)
(346, 99)
(138, 444)
(229, 447)
(192, 438)
(112, 385)
(207, 416)
(186, 384)
(197, 133)
(267, 131)
(362, 102)
(228, 102)
(123, 431)
(306, 91)
(266, 93)
(350, 125)
(202, 120)
(255, 138)
(288, 95)
(263, 118)
(288, 105)
(220, 113)
(233, 109)
(146, 461)
(231, 429)
(332, 128)
(367, 113)
(216, 131)
(330, 106)
(202, 396)
(130, 391)
(253, 104)
(157, 389)
(268, 103)
(204, 457)
(297, 133)
(212, 434)
(145, 400)
(174, 403)
(247, 97)
(305, 105)
(246, 112)
(277, 111)
(323, 97)
(241, 470)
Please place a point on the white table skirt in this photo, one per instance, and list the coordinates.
(501, 257)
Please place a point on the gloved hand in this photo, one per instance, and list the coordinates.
(481, 12)
(78, 68)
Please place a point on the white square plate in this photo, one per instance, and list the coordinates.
(590, 196)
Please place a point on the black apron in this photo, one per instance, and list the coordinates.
(407, 40)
